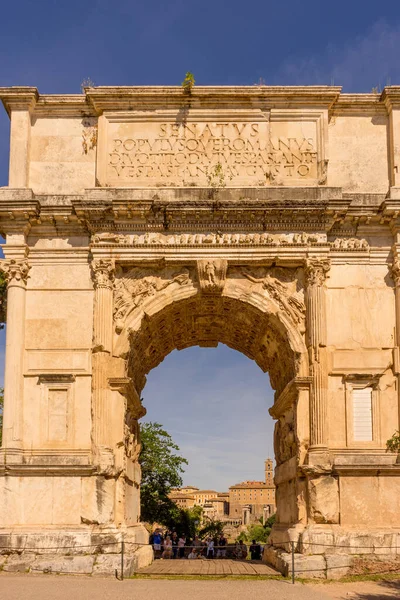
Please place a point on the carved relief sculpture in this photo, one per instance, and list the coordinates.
(350, 244)
(136, 285)
(212, 275)
(291, 304)
(109, 238)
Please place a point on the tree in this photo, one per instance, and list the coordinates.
(1, 414)
(258, 531)
(161, 471)
(214, 528)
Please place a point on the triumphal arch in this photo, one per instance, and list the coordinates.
(139, 220)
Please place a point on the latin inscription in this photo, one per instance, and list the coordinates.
(209, 154)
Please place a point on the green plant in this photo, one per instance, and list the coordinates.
(393, 444)
(188, 82)
(87, 82)
(161, 471)
(216, 177)
(213, 528)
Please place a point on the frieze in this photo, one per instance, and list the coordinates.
(211, 239)
(349, 244)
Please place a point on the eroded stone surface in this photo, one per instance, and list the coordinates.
(324, 498)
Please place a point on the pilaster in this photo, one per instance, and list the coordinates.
(395, 274)
(19, 103)
(103, 277)
(316, 272)
(16, 273)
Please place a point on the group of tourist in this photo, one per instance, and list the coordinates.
(170, 545)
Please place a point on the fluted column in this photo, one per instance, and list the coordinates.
(395, 274)
(103, 277)
(16, 274)
(316, 272)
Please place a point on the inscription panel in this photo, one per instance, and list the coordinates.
(247, 148)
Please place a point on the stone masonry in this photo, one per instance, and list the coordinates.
(139, 220)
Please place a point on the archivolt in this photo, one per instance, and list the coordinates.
(244, 319)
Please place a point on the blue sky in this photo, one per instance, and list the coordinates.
(55, 45)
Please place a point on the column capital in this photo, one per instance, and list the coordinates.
(316, 271)
(103, 271)
(394, 269)
(15, 271)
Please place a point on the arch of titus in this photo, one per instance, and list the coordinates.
(139, 220)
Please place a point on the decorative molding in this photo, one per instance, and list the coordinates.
(56, 378)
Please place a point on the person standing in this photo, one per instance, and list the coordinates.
(210, 548)
(174, 539)
(255, 551)
(181, 546)
(167, 548)
(243, 550)
(157, 543)
(221, 552)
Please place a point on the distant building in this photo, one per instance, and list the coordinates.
(201, 497)
(251, 500)
(245, 502)
(182, 500)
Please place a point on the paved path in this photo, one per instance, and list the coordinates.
(203, 566)
(59, 587)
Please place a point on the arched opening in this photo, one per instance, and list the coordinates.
(258, 313)
(214, 403)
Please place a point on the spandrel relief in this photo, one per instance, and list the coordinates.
(282, 286)
(132, 287)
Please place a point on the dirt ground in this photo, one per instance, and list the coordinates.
(53, 587)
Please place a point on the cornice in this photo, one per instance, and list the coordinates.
(391, 97)
(111, 98)
(179, 210)
(19, 98)
(62, 105)
(96, 100)
(358, 103)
